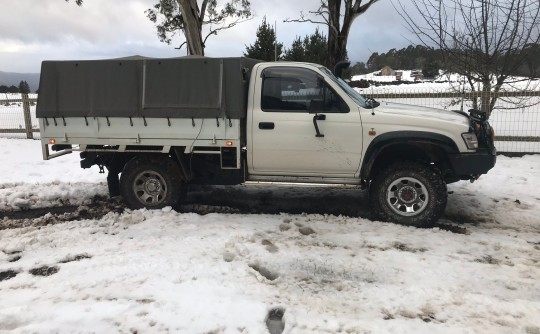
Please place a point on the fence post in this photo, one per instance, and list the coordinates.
(27, 117)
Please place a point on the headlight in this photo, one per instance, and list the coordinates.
(470, 140)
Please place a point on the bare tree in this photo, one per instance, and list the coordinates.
(338, 16)
(486, 41)
(189, 16)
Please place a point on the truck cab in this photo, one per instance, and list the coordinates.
(301, 125)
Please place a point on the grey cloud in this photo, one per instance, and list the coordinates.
(54, 29)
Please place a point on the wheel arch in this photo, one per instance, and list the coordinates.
(393, 146)
(116, 161)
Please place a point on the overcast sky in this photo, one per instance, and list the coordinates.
(36, 30)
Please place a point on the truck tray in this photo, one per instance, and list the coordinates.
(184, 87)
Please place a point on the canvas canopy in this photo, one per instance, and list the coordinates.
(185, 87)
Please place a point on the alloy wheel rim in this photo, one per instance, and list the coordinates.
(150, 188)
(407, 196)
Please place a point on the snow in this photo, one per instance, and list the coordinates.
(445, 82)
(406, 76)
(164, 271)
(23, 173)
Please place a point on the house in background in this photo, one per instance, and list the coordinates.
(417, 75)
(387, 71)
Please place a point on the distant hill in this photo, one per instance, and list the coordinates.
(11, 78)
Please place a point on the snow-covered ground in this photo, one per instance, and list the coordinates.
(444, 82)
(164, 271)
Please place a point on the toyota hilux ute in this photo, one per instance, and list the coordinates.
(160, 125)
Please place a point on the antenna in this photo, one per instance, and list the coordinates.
(462, 91)
(372, 109)
(275, 42)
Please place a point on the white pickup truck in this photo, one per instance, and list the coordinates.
(159, 125)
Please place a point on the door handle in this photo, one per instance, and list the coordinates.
(266, 125)
(316, 118)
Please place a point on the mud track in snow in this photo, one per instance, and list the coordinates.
(203, 200)
(98, 207)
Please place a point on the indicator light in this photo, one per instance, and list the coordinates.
(52, 141)
(470, 140)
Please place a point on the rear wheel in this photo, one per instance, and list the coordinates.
(408, 193)
(152, 182)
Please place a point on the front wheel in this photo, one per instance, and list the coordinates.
(151, 182)
(408, 193)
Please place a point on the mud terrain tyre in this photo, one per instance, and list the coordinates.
(408, 193)
(152, 182)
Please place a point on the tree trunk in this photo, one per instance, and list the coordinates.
(337, 51)
(486, 97)
(334, 45)
(339, 35)
(193, 26)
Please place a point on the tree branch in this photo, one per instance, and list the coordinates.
(78, 2)
(181, 45)
(203, 10)
(227, 26)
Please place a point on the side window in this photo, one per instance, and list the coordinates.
(289, 89)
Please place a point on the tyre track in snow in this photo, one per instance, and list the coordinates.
(97, 208)
(205, 199)
(351, 202)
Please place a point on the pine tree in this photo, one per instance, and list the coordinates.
(24, 88)
(316, 48)
(312, 49)
(264, 47)
(430, 69)
(358, 68)
(13, 89)
(296, 52)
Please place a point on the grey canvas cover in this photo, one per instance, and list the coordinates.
(184, 87)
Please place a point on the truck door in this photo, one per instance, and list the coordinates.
(302, 127)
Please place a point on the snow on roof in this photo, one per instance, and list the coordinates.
(406, 75)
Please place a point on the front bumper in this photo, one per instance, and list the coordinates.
(471, 165)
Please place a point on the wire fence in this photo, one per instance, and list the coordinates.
(516, 119)
(18, 116)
